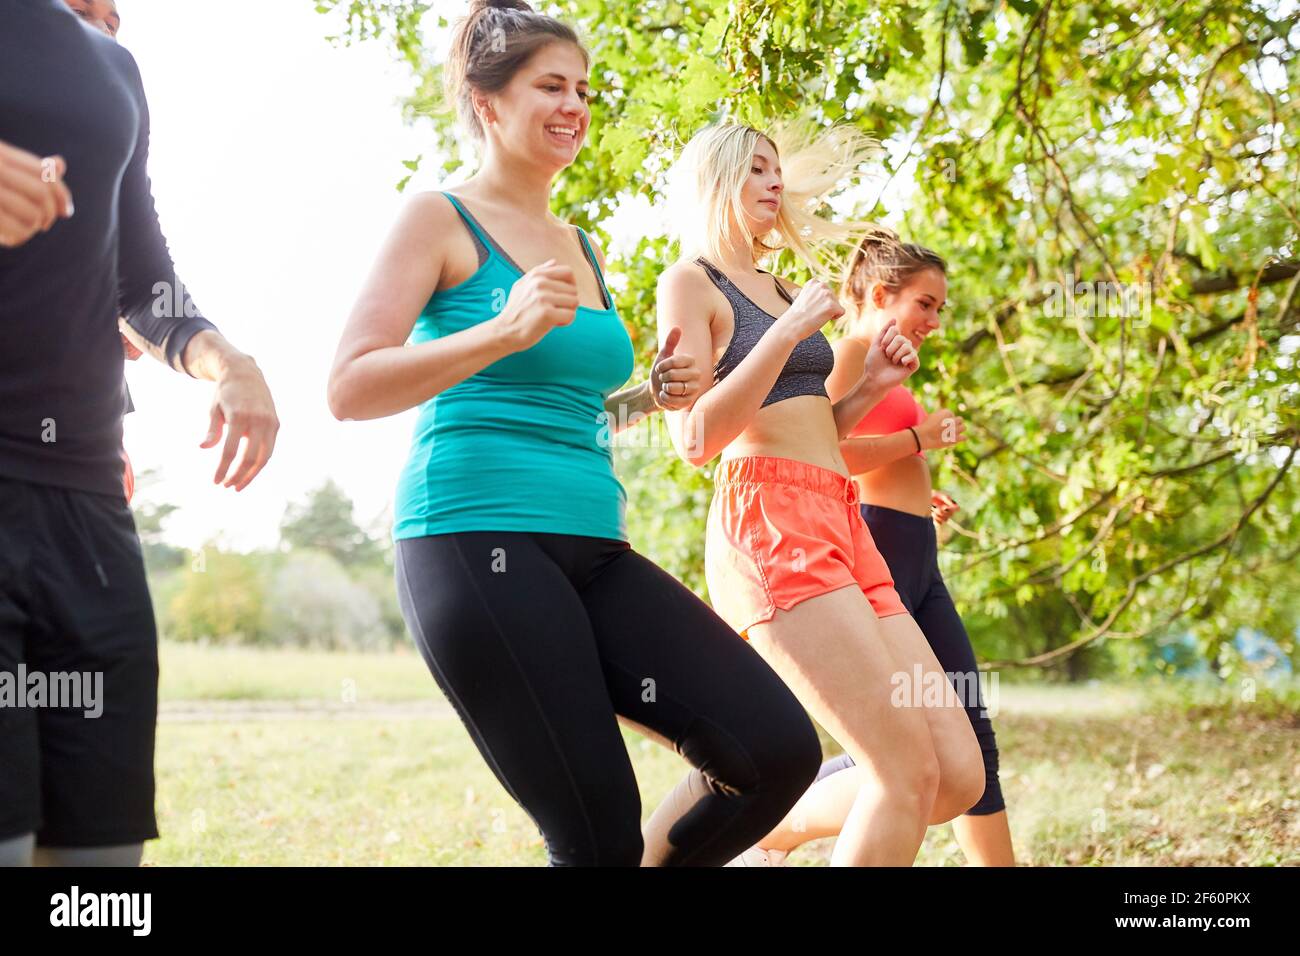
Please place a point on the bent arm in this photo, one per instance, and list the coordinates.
(865, 453)
(629, 405)
(723, 410)
(375, 373)
(852, 397)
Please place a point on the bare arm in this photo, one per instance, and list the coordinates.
(723, 410)
(941, 429)
(851, 393)
(375, 373)
(673, 382)
(242, 399)
(865, 453)
(160, 317)
(635, 400)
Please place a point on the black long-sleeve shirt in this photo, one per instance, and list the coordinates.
(66, 89)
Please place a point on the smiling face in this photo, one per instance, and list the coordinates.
(542, 115)
(100, 14)
(915, 306)
(761, 194)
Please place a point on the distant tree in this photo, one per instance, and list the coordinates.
(220, 599)
(324, 522)
(315, 602)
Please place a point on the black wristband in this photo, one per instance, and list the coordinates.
(916, 436)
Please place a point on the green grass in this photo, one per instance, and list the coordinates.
(192, 672)
(1102, 774)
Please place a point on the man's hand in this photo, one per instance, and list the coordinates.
(242, 405)
(32, 194)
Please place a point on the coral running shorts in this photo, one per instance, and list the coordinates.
(781, 531)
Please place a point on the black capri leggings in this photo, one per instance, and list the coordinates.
(910, 548)
(541, 641)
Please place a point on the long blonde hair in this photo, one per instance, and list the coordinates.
(706, 181)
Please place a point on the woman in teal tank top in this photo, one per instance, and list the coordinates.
(530, 420)
(537, 619)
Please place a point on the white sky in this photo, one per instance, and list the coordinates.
(274, 160)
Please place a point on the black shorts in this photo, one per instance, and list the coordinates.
(75, 613)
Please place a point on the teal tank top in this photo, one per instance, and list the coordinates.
(523, 444)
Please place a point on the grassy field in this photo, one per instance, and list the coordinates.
(290, 758)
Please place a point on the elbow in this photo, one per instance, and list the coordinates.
(342, 403)
(688, 440)
(697, 456)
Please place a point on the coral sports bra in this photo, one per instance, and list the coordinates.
(809, 364)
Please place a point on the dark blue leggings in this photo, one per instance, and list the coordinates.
(910, 548)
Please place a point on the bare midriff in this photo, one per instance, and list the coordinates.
(801, 428)
(902, 485)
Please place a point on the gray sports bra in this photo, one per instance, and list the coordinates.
(810, 362)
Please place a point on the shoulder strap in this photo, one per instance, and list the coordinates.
(714, 272)
(595, 266)
(470, 222)
(481, 233)
(781, 291)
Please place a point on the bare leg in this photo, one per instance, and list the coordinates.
(985, 839)
(129, 854)
(17, 851)
(961, 764)
(823, 810)
(829, 650)
(820, 812)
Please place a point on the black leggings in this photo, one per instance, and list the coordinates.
(910, 548)
(541, 641)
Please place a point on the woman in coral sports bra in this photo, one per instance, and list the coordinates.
(789, 561)
(906, 285)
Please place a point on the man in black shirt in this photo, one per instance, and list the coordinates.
(74, 128)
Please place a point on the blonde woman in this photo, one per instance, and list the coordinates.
(789, 562)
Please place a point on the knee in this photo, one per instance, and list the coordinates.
(602, 830)
(960, 789)
(788, 762)
(623, 846)
(776, 757)
(989, 798)
(913, 781)
(124, 855)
